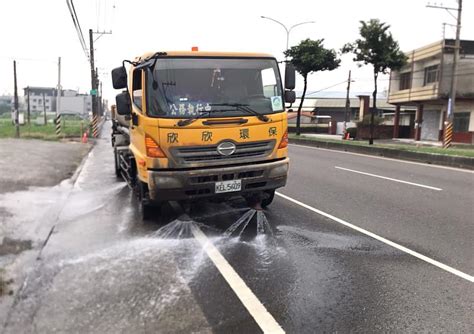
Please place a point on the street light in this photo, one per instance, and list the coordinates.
(288, 30)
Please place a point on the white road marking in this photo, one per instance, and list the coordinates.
(389, 159)
(388, 178)
(381, 239)
(262, 317)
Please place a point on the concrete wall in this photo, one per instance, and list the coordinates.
(81, 104)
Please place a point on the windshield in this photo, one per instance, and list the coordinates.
(186, 87)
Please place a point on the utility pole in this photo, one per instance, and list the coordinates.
(348, 103)
(28, 103)
(448, 122)
(59, 89)
(452, 101)
(93, 75)
(101, 100)
(17, 123)
(44, 110)
(97, 98)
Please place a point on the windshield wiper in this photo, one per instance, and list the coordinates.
(243, 107)
(188, 121)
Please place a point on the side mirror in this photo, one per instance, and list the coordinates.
(290, 96)
(290, 76)
(119, 78)
(124, 106)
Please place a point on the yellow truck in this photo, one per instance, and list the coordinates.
(191, 125)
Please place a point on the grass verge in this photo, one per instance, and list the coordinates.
(69, 129)
(456, 150)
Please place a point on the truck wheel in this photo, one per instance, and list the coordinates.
(148, 210)
(270, 194)
(116, 164)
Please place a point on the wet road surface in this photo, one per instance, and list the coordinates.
(104, 270)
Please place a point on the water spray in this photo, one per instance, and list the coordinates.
(252, 222)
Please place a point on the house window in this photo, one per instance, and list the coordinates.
(461, 121)
(405, 80)
(431, 74)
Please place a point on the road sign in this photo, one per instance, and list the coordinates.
(93, 91)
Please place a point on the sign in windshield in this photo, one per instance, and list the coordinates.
(187, 87)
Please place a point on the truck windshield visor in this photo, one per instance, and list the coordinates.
(187, 87)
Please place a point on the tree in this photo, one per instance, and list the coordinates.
(378, 48)
(308, 57)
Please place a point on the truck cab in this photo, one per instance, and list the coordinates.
(192, 125)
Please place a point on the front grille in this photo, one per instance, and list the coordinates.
(193, 154)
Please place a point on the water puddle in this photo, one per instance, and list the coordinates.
(330, 241)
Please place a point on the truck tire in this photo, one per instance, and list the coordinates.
(148, 210)
(118, 174)
(269, 199)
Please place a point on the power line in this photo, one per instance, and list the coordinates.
(77, 26)
(459, 74)
(78, 23)
(320, 90)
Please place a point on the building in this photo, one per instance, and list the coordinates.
(71, 101)
(335, 108)
(41, 98)
(424, 83)
(332, 112)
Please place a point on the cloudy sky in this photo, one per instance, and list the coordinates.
(37, 32)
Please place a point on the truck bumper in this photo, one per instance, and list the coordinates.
(200, 183)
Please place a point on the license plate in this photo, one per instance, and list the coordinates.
(228, 186)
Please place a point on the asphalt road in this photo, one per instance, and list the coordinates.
(103, 270)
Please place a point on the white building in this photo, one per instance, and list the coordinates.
(41, 98)
(44, 98)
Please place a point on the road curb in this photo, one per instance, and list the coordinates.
(78, 170)
(435, 159)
